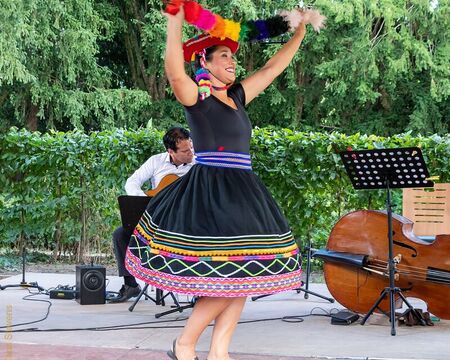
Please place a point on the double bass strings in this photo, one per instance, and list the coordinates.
(431, 274)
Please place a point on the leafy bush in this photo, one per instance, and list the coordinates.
(305, 174)
(59, 189)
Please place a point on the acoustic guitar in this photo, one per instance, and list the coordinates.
(165, 181)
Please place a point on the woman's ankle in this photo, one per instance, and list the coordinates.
(184, 349)
(218, 356)
(185, 342)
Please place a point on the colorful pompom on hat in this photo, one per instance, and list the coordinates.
(203, 41)
(220, 31)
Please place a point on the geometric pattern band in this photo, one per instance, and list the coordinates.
(214, 267)
(213, 286)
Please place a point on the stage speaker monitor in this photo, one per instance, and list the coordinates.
(90, 284)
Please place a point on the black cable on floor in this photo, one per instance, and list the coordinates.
(28, 298)
(136, 326)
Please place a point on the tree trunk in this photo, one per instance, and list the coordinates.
(161, 87)
(82, 243)
(31, 117)
(57, 233)
(300, 100)
(3, 96)
(133, 46)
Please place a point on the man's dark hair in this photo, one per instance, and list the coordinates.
(173, 136)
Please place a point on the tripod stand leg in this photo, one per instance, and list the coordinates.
(391, 314)
(158, 301)
(177, 308)
(370, 312)
(308, 272)
(175, 300)
(254, 298)
(414, 311)
(143, 292)
(392, 311)
(331, 300)
(23, 283)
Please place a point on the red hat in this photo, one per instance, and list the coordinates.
(203, 41)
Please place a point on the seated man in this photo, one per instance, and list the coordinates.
(178, 161)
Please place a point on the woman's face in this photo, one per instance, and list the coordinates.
(222, 65)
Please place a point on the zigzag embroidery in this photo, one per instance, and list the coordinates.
(214, 286)
(215, 270)
(264, 269)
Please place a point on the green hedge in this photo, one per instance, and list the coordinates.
(59, 189)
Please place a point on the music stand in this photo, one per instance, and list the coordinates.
(387, 169)
(131, 210)
(24, 283)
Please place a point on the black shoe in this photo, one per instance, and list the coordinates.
(172, 353)
(126, 292)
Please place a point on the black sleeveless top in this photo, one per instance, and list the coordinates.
(216, 126)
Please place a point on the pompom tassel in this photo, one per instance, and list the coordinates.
(293, 18)
(192, 11)
(218, 28)
(313, 17)
(206, 20)
(308, 16)
(232, 30)
(204, 83)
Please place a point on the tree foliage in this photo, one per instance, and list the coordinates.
(48, 50)
(379, 67)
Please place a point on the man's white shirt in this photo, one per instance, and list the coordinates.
(155, 168)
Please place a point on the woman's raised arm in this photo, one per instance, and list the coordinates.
(184, 88)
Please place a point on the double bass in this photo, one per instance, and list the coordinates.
(356, 263)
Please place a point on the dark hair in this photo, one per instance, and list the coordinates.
(208, 55)
(173, 136)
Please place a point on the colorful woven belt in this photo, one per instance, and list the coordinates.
(224, 159)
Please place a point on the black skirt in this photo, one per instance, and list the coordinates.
(216, 231)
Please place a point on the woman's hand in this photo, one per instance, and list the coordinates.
(178, 17)
(313, 17)
(173, 6)
(300, 30)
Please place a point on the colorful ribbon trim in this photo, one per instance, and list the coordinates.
(224, 159)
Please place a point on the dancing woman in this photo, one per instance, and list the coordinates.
(216, 233)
